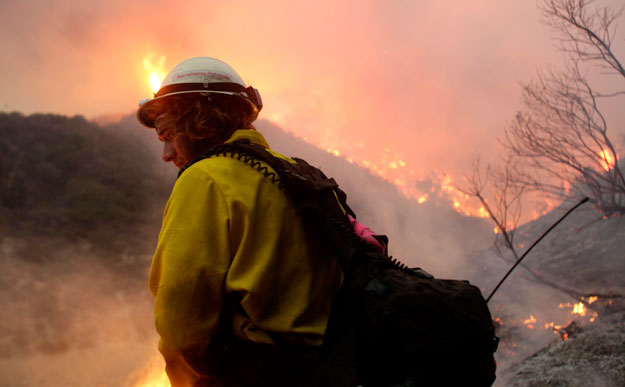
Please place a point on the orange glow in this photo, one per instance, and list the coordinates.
(579, 309)
(155, 377)
(607, 159)
(391, 167)
(155, 82)
(335, 152)
(530, 322)
(549, 205)
(553, 326)
(152, 374)
(321, 96)
(592, 299)
(156, 71)
(496, 230)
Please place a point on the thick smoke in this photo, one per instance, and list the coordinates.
(68, 319)
(433, 83)
(431, 236)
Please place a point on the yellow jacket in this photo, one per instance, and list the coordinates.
(229, 233)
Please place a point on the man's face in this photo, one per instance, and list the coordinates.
(177, 148)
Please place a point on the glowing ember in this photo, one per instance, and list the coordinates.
(423, 199)
(592, 299)
(496, 230)
(579, 308)
(530, 322)
(607, 159)
(334, 152)
(553, 326)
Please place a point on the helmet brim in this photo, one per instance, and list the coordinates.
(146, 114)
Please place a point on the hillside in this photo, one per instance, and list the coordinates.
(596, 357)
(64, 176)
(586, 254)
(81, 207)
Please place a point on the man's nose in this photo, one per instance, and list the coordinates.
(169, 152)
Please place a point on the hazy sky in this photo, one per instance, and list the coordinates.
(407, 87)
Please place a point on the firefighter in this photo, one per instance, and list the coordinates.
(243, 287)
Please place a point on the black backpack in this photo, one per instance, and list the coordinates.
(394, 326)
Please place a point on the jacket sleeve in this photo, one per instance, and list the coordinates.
(187, 275)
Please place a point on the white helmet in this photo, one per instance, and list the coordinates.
(206, 76)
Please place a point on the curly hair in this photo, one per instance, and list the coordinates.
(207, 118)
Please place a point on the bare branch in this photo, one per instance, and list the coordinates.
(561, 136)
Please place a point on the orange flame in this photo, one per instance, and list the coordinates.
(156, 69)
(335, 152)
(151, 375)
(567, 186)
(553, 326)
(155, 82)
(393, 168)
(157, 378)
(607, 159)
(579, 309)
(530, 322)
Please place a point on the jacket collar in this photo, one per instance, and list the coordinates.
(252, 135)
(242, 134)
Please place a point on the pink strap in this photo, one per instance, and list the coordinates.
(366, 234)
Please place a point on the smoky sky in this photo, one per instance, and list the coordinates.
(429, 83)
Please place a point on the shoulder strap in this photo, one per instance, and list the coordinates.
(314, 195)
